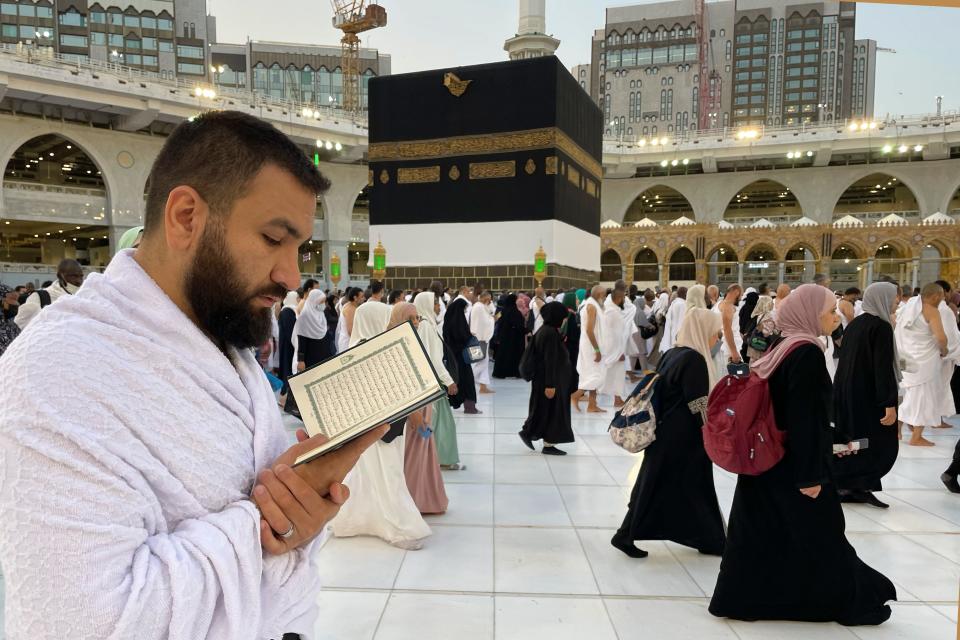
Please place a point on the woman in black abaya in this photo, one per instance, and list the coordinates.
(549, 412)
(456, 333)
(787, 557)
(674, 497)
(510, 333)
(865, 397)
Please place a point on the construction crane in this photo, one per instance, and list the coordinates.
(353, 17)
(710, 80)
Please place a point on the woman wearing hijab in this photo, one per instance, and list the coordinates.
(380, 503)
(456, 333)
(333, 319)
(786, 556)
(442, 421)
(510, 334)
(865, 396)
(674, 497)
(311, 330)
(287, 350)
(760, 320)
(420, 464)
(523, 304)
(549, 415)
(571, 335)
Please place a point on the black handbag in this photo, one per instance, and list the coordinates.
(450, 362)
(475, 351)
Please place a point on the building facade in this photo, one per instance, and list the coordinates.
(769, 62)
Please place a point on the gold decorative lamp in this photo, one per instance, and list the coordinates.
(379, 262)
(540, 266)
(335, 269)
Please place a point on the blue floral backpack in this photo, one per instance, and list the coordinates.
(634, 426)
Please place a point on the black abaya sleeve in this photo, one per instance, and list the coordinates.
(549, 349)
(695, 384)
(885, 380)
(801, 412)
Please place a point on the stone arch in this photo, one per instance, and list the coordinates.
(74, 138)
(947, 205)
(802, 245)
(78, 138)
(890, 171)
(682, 264)
(764, 247)
(945, 248)
(859, 250)
(763, 198)
(729, 250)
(611, 265)
(645, 265)
(902, 249)
(643, 188)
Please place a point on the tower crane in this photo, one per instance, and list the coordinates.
(353, 17)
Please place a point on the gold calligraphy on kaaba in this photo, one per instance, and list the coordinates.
(454, 173)
(416, 175)
(591, 187)
(573, 176)
(506, 142)
(550, 166)
(530, 167)
(499, 169)
(384, 177)
(455, 85)
(370, 178)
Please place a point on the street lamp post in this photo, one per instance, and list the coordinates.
(540, 266)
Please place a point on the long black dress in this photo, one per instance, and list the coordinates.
(456, 333)
(286, 322)
(549, 418)
(786, 556)
(313, 350)
(331, 336)
(510, 332)
(572, 340)
(864, 386)
(674, 497)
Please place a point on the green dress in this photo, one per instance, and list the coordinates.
(445, 432)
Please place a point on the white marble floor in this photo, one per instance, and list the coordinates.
(524, 552)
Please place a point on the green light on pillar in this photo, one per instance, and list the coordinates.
(316, 159)
(379, 263)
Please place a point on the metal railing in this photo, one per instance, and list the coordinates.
(868, 217)
(840, 128)
(53, 188)
(46, 57)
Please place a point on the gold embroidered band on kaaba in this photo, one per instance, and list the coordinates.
(507, 142)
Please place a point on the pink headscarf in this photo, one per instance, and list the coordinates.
(523, 304)
(798, 319)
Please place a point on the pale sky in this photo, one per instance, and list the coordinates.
(428, 34)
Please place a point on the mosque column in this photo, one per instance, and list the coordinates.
(914, 273)
(661, 276)
(781, 271)
(740, 274)
(701, 271)
(869, 270)
(346, 182)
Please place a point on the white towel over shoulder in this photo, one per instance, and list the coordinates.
(128, 446)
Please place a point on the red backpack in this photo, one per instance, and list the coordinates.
(741, 434)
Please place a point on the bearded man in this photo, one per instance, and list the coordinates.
(154, 495)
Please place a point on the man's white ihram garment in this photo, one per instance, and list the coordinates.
(591, 372)
(124, 488)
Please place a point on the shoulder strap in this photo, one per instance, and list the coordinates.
(44, 296)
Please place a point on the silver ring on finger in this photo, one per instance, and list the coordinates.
(286, 535)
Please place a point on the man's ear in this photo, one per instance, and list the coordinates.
(184, 218)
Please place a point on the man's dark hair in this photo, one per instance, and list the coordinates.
(820, 278)
(906, 291)
(219, 153)
(19, 288)
(310, 285)
(851, 291)
(763, 289)
(944, 285)
(352, 293)
(673, 288)
(394, 296)
(375, 287)
(367, 293)
(916, 291)
(682, 293)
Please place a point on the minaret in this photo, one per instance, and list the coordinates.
(531, 41)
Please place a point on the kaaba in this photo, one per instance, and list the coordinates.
(473, 169)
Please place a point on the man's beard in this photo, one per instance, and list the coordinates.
(223, 308)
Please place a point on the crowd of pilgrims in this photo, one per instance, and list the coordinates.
(841, 367)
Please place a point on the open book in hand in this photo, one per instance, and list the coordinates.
(378, 381)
